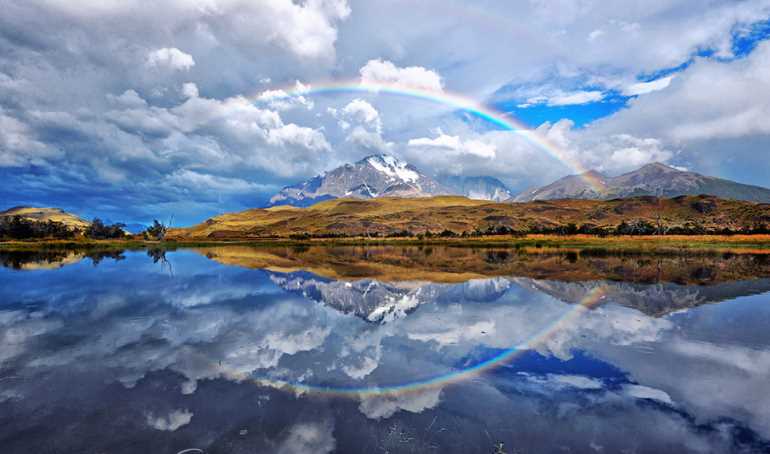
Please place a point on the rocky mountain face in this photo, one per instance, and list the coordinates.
(480, 188)
(372, 177)
(652, 179)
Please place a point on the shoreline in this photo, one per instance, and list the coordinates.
(759, 242)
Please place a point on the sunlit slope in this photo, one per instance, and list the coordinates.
(45, 215)
(458, 214)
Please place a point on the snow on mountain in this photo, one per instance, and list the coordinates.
(384, 175)
(374, 176)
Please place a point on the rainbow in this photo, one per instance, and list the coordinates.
(594, 297)
(455, 101)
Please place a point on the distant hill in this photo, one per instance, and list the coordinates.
(387, 216)
(45, 215)
(652, 179)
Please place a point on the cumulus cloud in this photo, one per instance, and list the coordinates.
(19, 146)
(171, 421)
(113, 73)
(363, 125)
(170, 57)
(385, 406)
(711, 99)
(454, 144)
(385, 72)
(309, 438)
(186, 178)
(280, 100)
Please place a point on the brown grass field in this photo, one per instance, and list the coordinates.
(388, 216)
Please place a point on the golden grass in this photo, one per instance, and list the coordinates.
(356, 217)
(48, 214)
(447, 264)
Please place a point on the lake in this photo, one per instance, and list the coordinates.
(238, 349)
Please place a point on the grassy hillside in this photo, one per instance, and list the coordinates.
(389, 216)
(45, 215)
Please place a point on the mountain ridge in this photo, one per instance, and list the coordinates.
(383, 175)
(653, 179)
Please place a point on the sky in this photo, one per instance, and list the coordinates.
(112, 109)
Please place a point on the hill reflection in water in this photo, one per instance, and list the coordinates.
(238, 349)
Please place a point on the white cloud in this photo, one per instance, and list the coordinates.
(186, 178)
(575, 98)
(363, 123)
(230, 133)
(363, 112)
(385, 406)
(455, 145)
(309, 438)
(129, 98)
(19, 146)
(714, 113)
(291, 134)
(281, 100)
(190, 90)
(645, 392)
(596, 34)
(642, 88)
(170, 422)
(308, 29)
(577, 381)
(385, 72)
(170, 57)
(611, 153)
(560, 98)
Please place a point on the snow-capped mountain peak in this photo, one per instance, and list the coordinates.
(383, 175)
(393, 167)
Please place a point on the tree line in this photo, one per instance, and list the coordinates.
(20, 228)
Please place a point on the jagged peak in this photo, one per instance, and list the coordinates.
(393, 167)
(657, 165)
(382, 157)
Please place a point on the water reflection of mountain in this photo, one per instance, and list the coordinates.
(377, 301)
(383, 283)
(209, 350)
(652, 299)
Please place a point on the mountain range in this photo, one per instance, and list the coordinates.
(654, 179)
(386, 176)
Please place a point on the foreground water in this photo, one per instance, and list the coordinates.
(244, 350)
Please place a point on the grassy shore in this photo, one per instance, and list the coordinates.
(744, 243)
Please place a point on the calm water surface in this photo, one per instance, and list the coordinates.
(383, 350)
